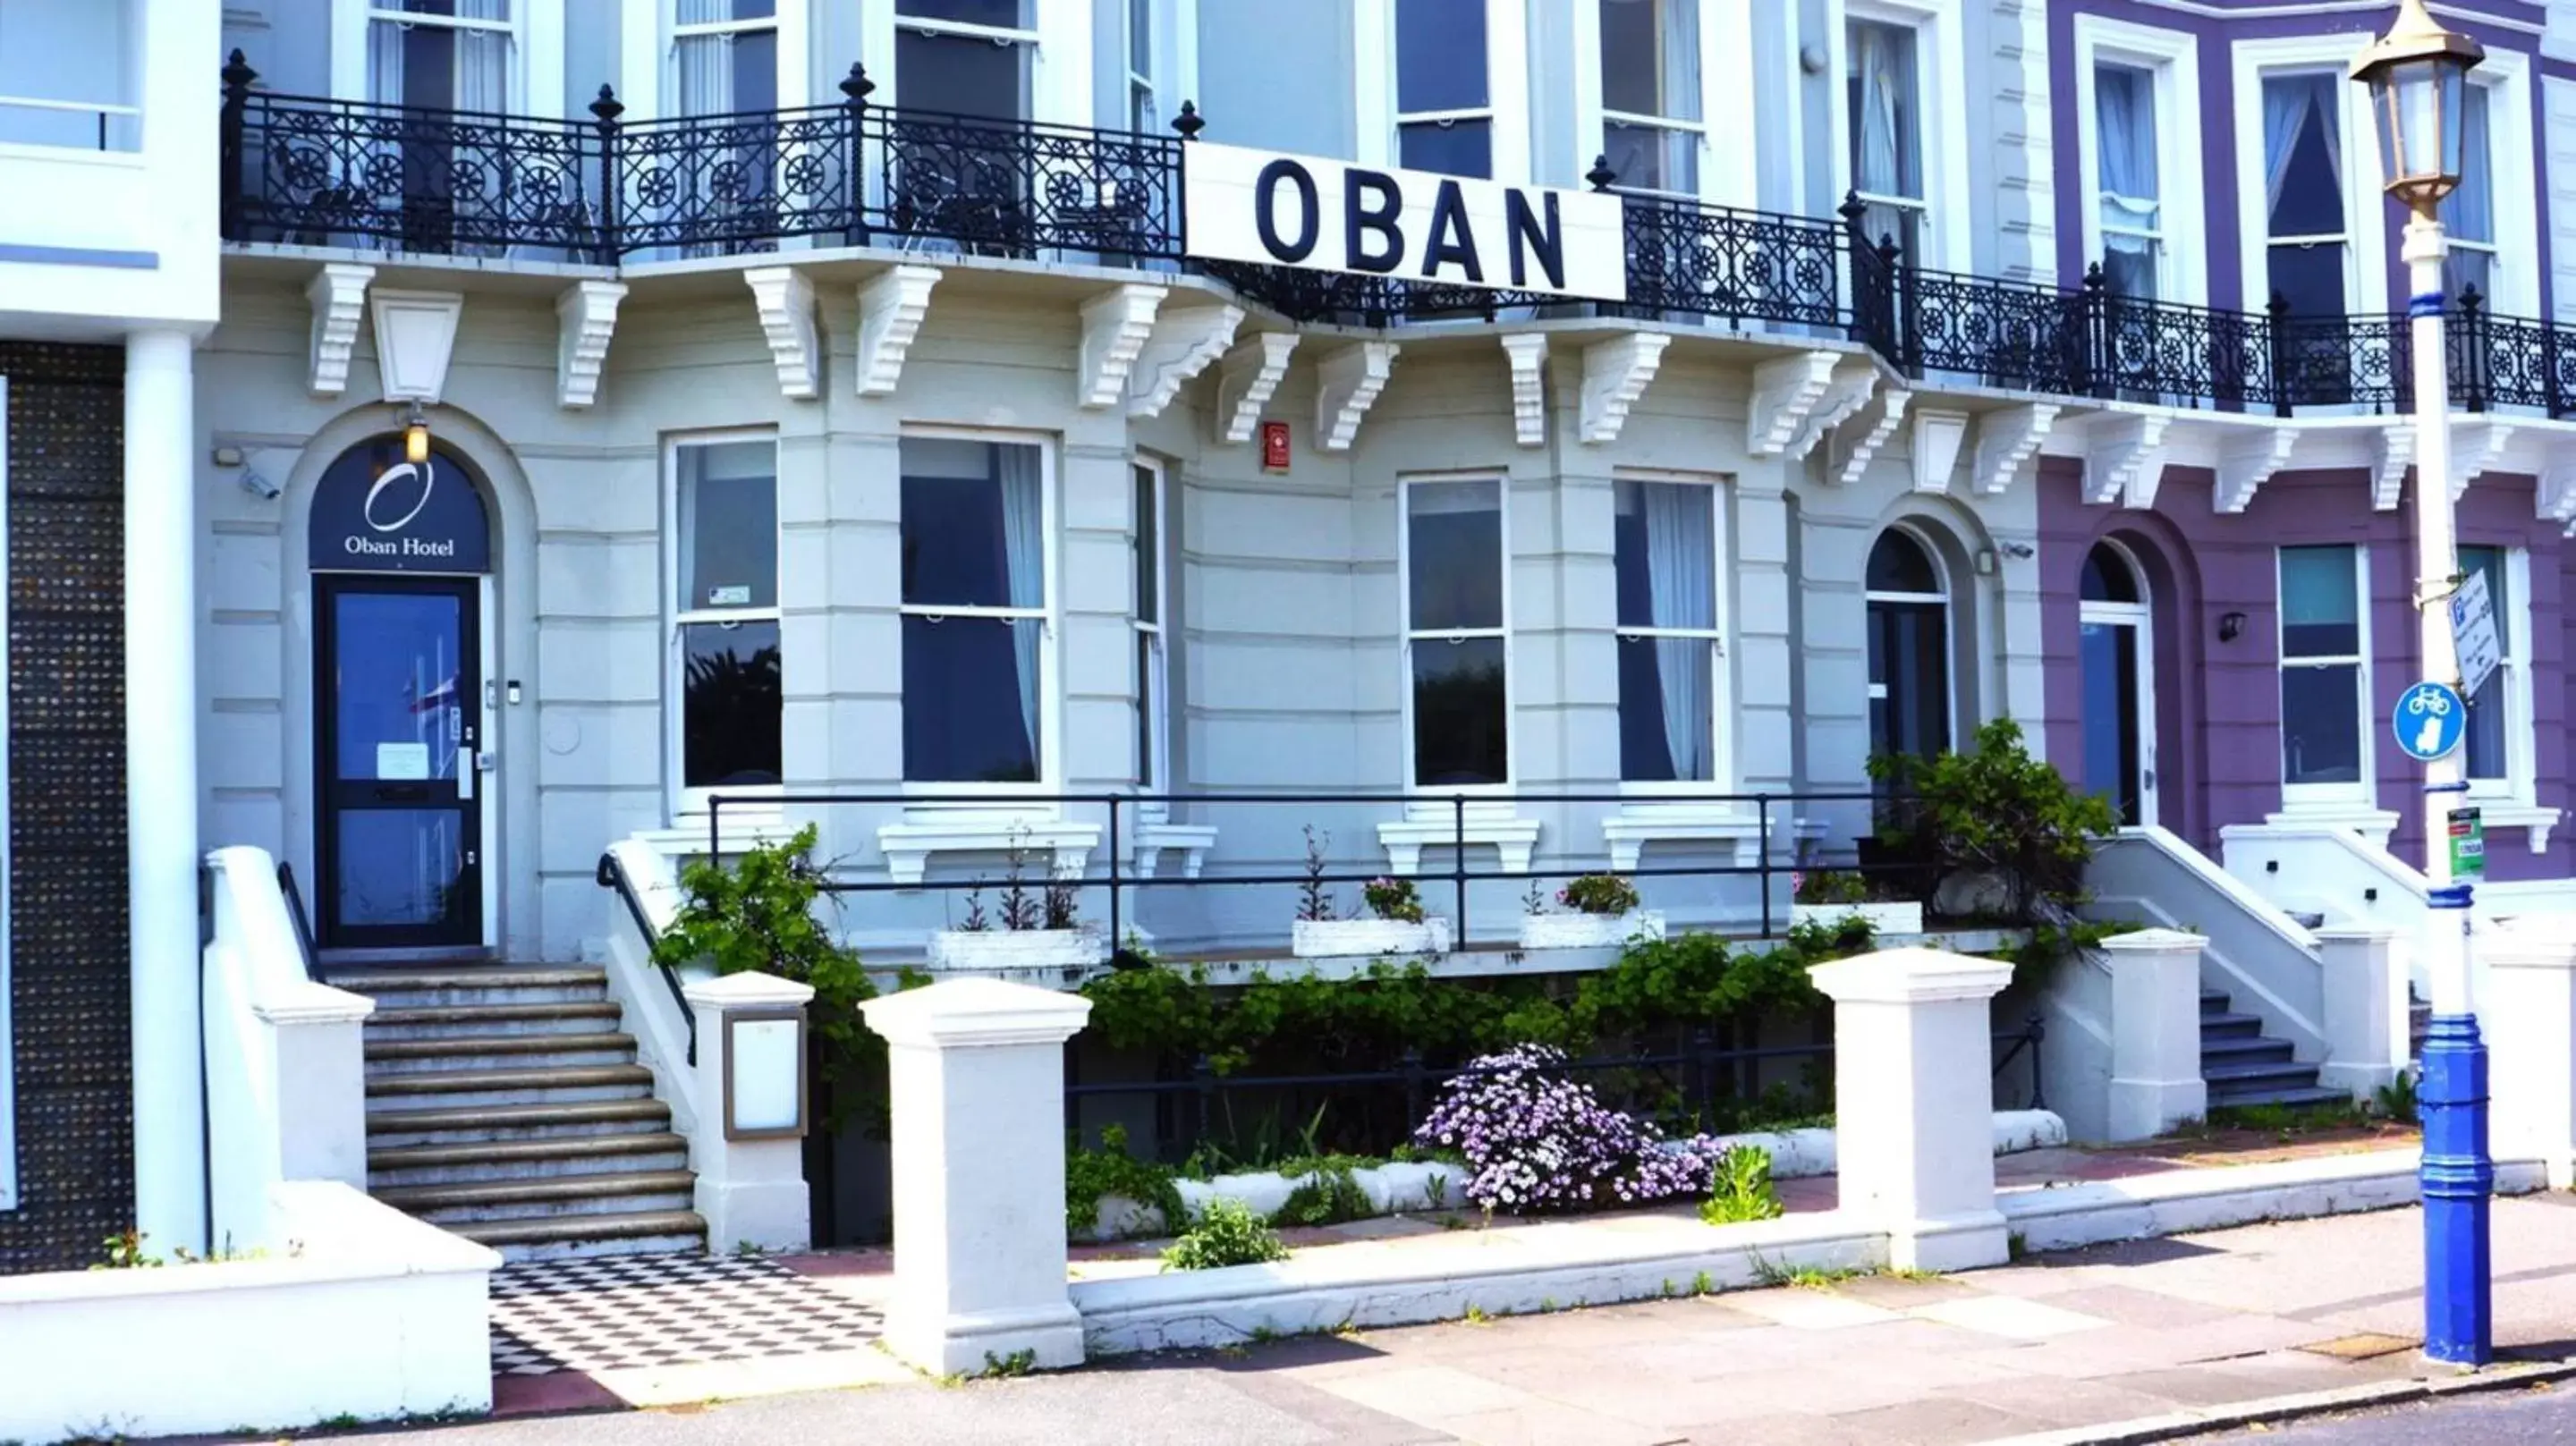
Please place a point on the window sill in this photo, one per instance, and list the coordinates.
(2373, 824)
(744, 828)
(2497, 813)
(1642, 821)
(1155, 838)
(909, 846)
(1404, 840)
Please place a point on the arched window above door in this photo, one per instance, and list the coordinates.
(1899, 563)
(2108, 577)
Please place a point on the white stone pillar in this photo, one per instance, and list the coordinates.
(751, 1175)
(2155, 1033)
(1914, 1102)
(2529, 1015)
(161, 786)
(977, 1075)
(316, 1037)
(2365, 1008)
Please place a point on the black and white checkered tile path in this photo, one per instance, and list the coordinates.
(628, 1311)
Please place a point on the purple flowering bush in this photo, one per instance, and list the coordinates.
(1537, 1141)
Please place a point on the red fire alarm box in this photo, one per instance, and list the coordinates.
(1274, 446)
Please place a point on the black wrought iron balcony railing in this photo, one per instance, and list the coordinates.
(302, 170)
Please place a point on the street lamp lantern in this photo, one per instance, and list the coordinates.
(2416, 74)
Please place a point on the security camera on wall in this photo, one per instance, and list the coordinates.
(258, 485)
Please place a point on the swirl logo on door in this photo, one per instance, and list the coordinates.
(374, 511)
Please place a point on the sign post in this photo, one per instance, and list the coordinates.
(2473, 630)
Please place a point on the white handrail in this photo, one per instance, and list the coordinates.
(79, 107)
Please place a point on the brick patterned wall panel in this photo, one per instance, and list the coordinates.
(69, 1004)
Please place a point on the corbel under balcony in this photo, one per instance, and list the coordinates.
(1115, 327)
(1526, 352)
(1785, 390)
(1636, 825)
(2555, 498)
(2476, 447)
(785, 300)
(1938, 436)
(1513, 838)
(1347, 384)
(1187, 340)
(1846, 394)
(338, 295)
(2124, 459)
(2392, 451)
(1615, 374)
(1857, 442)
(1246, 379)
(586, 316)
(891, 306)
(909, 845)
(2008, 440)
(2248, 460)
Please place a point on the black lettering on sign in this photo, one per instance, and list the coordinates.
(1531, 236)
(1452, 240)
(1377, 216)
(1265, 192)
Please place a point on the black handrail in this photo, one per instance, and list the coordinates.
(612, 875)
(295, 915)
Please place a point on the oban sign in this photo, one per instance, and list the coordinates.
(375, 512)
(1269, 209)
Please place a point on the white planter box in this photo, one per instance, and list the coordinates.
(1337, 938)
(1017, 948)
(1901, 918)
(1589, 931)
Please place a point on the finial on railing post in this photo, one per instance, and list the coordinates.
(604, 110)
(237, 75)
(1189, 122)
(228, 143)
(856, 87)
(1852, 210)
(1600, 176)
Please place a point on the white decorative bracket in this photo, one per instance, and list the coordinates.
(2245, 463)
(1347, 384)
(786, 302)
(1615, 374)
(2124, 459)
(586, 314)
(2556, 496)
(338, 293)
(1115, 327)
(2475, 447)
(1938, 436)
(2007, 440)
(1246, 380)
(1527, 353)
(1186, 341)
(1785, 390)
(891, 306)
(415, 336)
(2392, 451)
(1857, 444)
(1846, 394)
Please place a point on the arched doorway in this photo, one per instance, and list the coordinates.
(1910, 694)
(400, 553)
(2119, 708)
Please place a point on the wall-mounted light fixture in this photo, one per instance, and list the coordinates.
(2231, 626)
(1985, 563)
(416, 435)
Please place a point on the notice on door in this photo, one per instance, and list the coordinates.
(401, 761)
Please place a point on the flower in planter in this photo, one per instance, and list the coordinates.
(1598, 894)
(1393, 899)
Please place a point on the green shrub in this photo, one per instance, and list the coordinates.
(1327, 1196)
(1995, 812)
(1226, 1233)
(1110, 1170)
(1740, 1188)
(1598, 894)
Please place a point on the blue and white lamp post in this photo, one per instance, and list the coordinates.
(2417, 73)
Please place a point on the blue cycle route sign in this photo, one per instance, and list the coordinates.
(2429, 721)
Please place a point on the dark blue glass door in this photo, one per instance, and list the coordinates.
(397, 696)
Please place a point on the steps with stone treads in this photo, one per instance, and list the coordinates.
(2243, 1066)
(505, 1105)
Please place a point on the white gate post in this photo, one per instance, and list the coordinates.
(2365, 1008)
(2530, 1018)
(977, 1077)
(2155, 1032)
(1914, 1102)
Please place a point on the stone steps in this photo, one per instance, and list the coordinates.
(457, 1162)
(479, 1201)
(560, 1237)
(482, 1021)
(457, 1052)
(2243, 1066)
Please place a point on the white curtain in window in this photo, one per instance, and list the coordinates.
(1878, 162)
(1024, 554)
(385, 62)
(2123, 113)
(483, 58)
(706, 72)
(1681, 572)
(2469, 211)
(1678, 85)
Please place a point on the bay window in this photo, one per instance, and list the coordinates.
(725, 629)
(2126, 185)
(1671, 649)
(977, 515)
(2325, 674)
(1444, 103)
(1457, 642)
(2306, 226)
(1652, 122)
(1883, 89)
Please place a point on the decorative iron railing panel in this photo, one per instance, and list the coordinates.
(2003, 333)
(2184, 356)
(733, 182)
(1015, 188)
(2342, 361)
(2505, 361)
(1734, 266)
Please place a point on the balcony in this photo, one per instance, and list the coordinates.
(311, 171)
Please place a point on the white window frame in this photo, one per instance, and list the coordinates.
(649, 76)
(1404, 486)
(2172, 59)
(685, 801)
(2140, 618)
(1059, 40)
(1726, 50)
(1154, 684)
(2506, 77)
(1941, 89)
(8, 903)
(536, 29)
(1050, 677)
(1948, 600)
(2326, 797)
(1721, 698)
(2520, 781)
(2365, 233)
(1507, 86)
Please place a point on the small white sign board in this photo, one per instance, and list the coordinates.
(401, 761)
(2473, 632)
